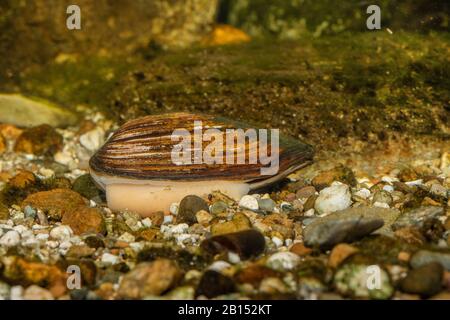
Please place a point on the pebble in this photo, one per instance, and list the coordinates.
(10, 239)
(56, 203)
(61, 233)
(173, 209)
(339, 173)
(213, 284)
(29, 212)
(352, 280)
(249, 202)
(416, 217)
(37, 293)
(218, 207)
(41, 140)
(283, 261)
(339, 253)
(305, 192)
(363, 193)
(189, 206)
(126, 237)
(426, 280)
(219, 265)
(149, 279)
(267, 205)
(203, 217)
(334, 198)
(109, 258)
(93, 140)
(85, 220)
(342, 226)
(423, 257)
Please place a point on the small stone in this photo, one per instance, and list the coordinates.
(425, 280)
(416, 217)
(189, 206)
(283, 261)
(339, 253)
(10, 239)
(273, 286)
(150, 279)
(203, 217)
(85, 186)
(218, 207)
(404, 256)
(305, 192)
(352, 279)
(109, 258)
(382, 196)
(300, 250)
(61, 233)
(267, 205)
(79, 251)
(213, 284)
(29, 212)
(254, 274)
(249, 202)
(239, 222)
(85, 220)
(37, 293)
(334, 198)
(93, 140)
(173, 209)
(55, 203)
(27, 112)
(410, 235)
(438, 190)
(423, 257)
(342, 226)
(126, 237)
(363, 193)
(340, 173)
(40, 140)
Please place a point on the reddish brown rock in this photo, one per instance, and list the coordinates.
(85, 220)
(339, 173)
(150, 279)
(55, 203)
(339, 253)
(40, 140)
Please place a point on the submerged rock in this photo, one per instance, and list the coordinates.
(416, 217)
(423, 257)
(213, 284)
(353, 280)
(344, 226)
(426, 280)
(149, 279)
(29, 112)
(189, 207)
(40, 140)
(334, 198)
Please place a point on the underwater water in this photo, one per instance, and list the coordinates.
(119, 179)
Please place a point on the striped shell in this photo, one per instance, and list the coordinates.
(141, 149)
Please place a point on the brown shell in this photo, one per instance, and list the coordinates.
(141, 149)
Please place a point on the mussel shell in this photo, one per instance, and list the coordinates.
(141, 149)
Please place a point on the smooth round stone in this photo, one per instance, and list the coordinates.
(218, 207)
(266, 205)
(10, 239)
(189, 207)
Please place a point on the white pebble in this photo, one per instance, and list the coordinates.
(61, 233)
(92, 140)
(173, 209)
(309, 213)
(147, 222)
(16, 293)
(249, 202)
(334, 198)
(233, 257)
(52, 244)
(363, 193)
(168, 219)
(219, 265)
(109, 258)
(277, 241)
(42, 236)
(10, 239)
(388, 188)
(414, 183)
(283, 261)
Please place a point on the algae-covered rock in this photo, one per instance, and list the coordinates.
(85, 186)
(363, 281)
(30, 112)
